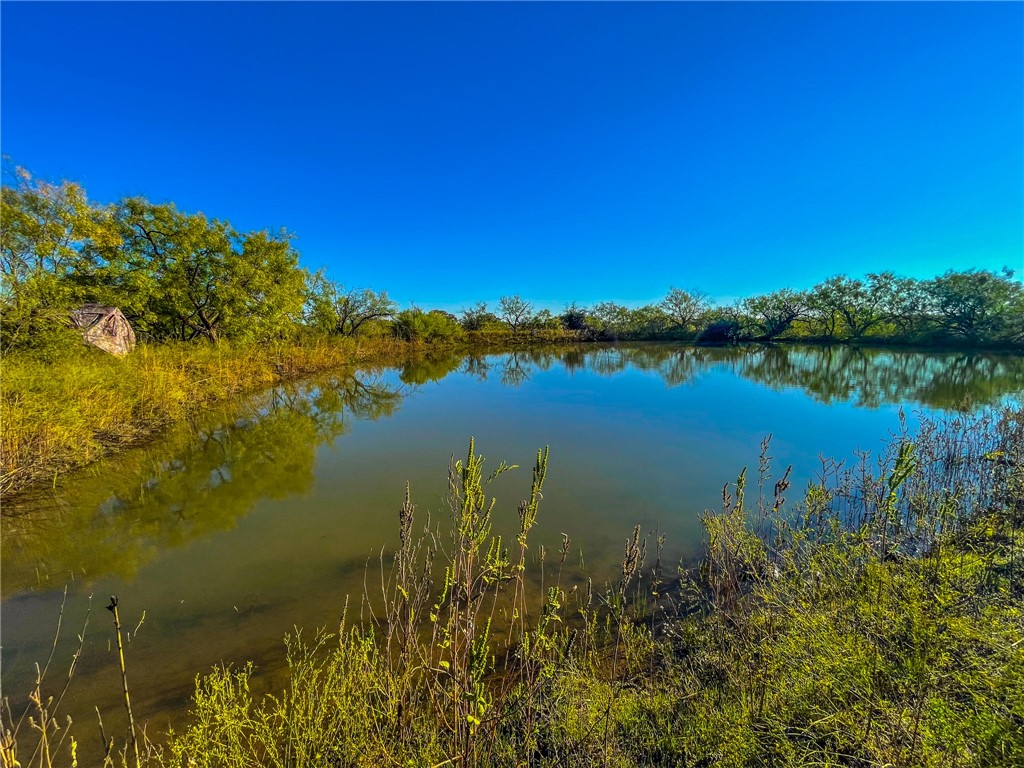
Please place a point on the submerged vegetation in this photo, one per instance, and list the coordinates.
(875, 622)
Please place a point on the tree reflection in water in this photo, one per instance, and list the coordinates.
(868, 377)
(201, 477)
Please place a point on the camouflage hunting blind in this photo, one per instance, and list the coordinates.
(104, 327)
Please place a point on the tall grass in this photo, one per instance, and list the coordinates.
(63, 415)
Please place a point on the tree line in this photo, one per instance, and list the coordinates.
(187, 277)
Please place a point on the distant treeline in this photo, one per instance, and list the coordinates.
(185, 277)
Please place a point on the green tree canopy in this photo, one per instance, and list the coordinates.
(611, 319)
(977, 304)
(332, 309)
(685, 309)
(774, 313)
(416, 325)
(44, 229)
(855, 306)
(477, 318)
(183, 276)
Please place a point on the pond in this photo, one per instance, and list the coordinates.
(261, 516)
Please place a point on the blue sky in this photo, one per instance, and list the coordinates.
(457, 152)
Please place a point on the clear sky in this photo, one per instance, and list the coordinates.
(456, 152)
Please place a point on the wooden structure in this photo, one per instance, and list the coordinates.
(104, 327)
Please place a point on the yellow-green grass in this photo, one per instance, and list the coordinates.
(58, 416)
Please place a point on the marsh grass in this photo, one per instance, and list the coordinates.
(63, 415)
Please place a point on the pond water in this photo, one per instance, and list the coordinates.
(264, 515)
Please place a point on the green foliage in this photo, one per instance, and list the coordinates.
(181, 276)
(649, 321)
(610, 319)
(34, 320)
(184, 277)
(477, 318)
(841, 304)
(721, 330)
(977, 305)
(773, 314)
(45, 227)
(434, 326)
(543, 320)
(43, 230)
(969, 307)
(331, 309)
(686, 309)
(574, 318)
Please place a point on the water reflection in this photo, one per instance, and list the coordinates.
(203, 477)
(200, 478)
(257, 517)
(872, 378)
(867, 377)
(425, 369)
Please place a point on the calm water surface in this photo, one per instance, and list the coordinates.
(263, 515)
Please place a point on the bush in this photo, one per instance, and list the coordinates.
(417, 325)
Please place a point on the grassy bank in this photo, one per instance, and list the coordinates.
(58, 416)
(63, 415)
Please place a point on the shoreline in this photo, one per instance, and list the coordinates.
(62, 418)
